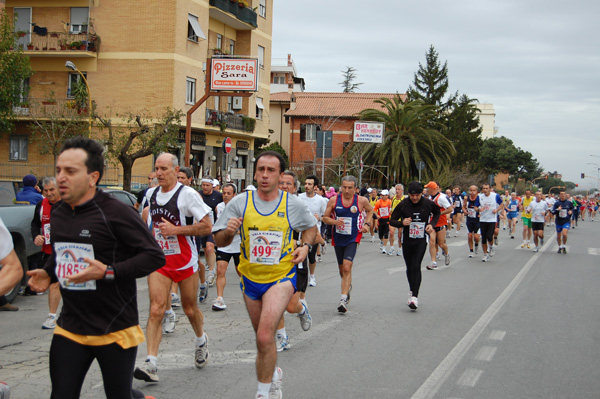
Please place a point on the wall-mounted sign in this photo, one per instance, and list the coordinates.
(234, 74)
(368, 132)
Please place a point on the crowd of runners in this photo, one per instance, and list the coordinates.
(274, 235)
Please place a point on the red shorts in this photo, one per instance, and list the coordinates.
(178, 275)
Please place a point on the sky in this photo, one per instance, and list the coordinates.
(537, 62)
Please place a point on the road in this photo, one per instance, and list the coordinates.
(524, 325)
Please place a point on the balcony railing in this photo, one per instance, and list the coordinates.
(59, 41)
(244, 14)
(44, 108)
(230, 121)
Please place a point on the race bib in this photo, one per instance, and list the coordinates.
(265, 246)
(538, 218)
(169, 244)
(513, 208)
(416, 230)
(471, 213)
(47, 233)
(69, 261)
(384, 212)
(562, 213)
(457, 204)
(346, 229)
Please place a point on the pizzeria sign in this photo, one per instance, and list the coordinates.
(234, 74)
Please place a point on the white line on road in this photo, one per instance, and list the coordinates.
(593, 251)
(497, 335)
(446, 367)
(469, 378)
(395, 270)
(486, 353)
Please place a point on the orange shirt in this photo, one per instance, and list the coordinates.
(383, 208)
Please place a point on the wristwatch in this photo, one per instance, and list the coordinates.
(310, 247)
(109, 275)
(368, 224)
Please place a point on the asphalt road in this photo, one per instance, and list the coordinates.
(524, 325)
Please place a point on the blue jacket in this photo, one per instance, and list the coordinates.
(29, 194)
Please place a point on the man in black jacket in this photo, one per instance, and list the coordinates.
(99, 247)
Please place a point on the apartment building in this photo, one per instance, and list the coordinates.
(145, 56)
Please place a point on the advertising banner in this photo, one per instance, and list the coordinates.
(234, 74)
(368, 132)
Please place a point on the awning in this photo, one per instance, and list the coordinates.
(196, 26)
(259, 103)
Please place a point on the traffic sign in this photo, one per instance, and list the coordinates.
(227, 145)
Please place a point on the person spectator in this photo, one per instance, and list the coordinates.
(30, 192)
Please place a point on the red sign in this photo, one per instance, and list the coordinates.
(227, 145)
(234, 74)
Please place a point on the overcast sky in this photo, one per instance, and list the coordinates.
(537, 62)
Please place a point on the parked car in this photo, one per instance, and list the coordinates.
(123, 196)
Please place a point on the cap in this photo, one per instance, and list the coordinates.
(415, 188)
(385, 192)
(215, 182)
(369, 189)
(250, 187)
(29, 181)
(432, 184)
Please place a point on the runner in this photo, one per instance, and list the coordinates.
(562, 209)
(490, 205)
(344, 212)
(12, 271)
(471, 208)
(439, 238)
(526, 217)
(372, 201)
(550, 200)
(212, 198)
(418, 216)
(172, 212)
(317, 207)
(539, 208)
(142, 194)
(512, 213)
(398, 197)
(457, 214)
(225, 254)
(40, 232)
(382, 209)
(99, 247)
(267, 216)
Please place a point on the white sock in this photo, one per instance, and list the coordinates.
(53, 315)
(282, 332)
(263, 389)
(170, 311)
(344, 297)
(276, 375)
(153, 360)
(200, 341)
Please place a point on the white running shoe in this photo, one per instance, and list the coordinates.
(312, 281)
(175, 301)
(219, 304)
(50, 323)
(305, 319)
(318, 258)
(535, 249)
(447, 259)
(210, 279)
(492, 251)
(486, 258)
(476, 249)
(147, 372)
(203, 294)
(283, 343)
(343, 306)
(168, 323)
(383, 250)
(432, 266)
(323, 249)
(471, 254)
(275, 390)
(456, 234)
(201, 355)
(391, 252)
(372, 238)
(399, 252)
(413, 302)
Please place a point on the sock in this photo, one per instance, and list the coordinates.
(344, 297)
(303, 308)
(202, 285)
(200, 341)
(152, 360)
(170, 311)
(263, 389)
(53, 315)
(282, 332)
(276, 375)
(173, 295)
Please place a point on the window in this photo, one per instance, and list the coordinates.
(190, 91)
(18, 146)
(287, 118)
(79, 19)
(259, 108)
(194, 30)
(262, 8)
(308, 132)
(261, 56)
(219, 41)
(74, 77)
(232, 47)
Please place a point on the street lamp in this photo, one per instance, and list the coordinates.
(72, 67)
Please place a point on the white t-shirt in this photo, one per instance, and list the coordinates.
(6, 243)
(234, 247)
(538, 211)
(488, 204)
(316, 205)
(443, 201)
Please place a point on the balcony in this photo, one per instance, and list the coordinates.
(227, 120)
(45, 108)
(230, 13)
(60, 44)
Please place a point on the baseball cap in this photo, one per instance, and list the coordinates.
(385, 192)
(215, 183)
(369, 189)
(29, 181)
(432, 185)
(415, 188)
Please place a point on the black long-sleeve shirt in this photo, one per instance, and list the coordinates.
(119, 238)
(424, 210)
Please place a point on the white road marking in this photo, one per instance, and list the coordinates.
(469, 378)
(395, 270)
(430, 387)
(486, 353)
(593, 251)
(497, 335)
(458, 243)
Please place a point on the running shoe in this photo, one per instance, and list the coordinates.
(511, 236)
(492, 251)
(4, 390)
(201, 355)
(275, 390)
(471, 254)
(541, 241)
(447, 259)
(283, 343)
(312, 281)
(495, 240)
(305, 319)
(390, 252)
(486, 258)
(343, 306)
(175, 301)
(50, 323)
(523, 245)
(432, 266)
(203, 294)
(323, 249)
(564, 251)
(219, 304)
(559, 250)
(399, 252)
(168, 323)
(476, 249)
(437, 256)
(413, 302)
(456, 234)
(381, 245)
(372, 238)
(535, 249)
(148, 372)
(318, 258)
(210, 279)
(383, 250)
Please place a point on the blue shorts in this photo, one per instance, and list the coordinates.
(255, 291)
(512, 215)
(345, 253)
(561, 227)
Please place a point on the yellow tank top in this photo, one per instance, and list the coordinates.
(526, 202)
(372, 201)
(267, 244)
(395, 202)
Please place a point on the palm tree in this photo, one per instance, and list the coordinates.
(411, 135)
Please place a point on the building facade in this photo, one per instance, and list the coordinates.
(146, 57)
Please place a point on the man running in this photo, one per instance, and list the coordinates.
(562, 210)
(172, 212)
(398, 197)
(439, 238)
(265, 219)
(418, 215)
(512, 213)
(538, 209)
(490, 205)
(317, 207)
(99, 247)
(344, 212)
(471, 209)
(383, 209)
(372, 201)
(212, 198)
(457, 215)
(40, 232)
(526, 217)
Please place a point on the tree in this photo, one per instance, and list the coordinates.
(274, 146)
(348, 84)
(14, 69)
(409, 138)
(430, 83)
(500, 154)
(464, 130)
(137, 135)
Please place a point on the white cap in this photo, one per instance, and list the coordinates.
(215, 183)
(250, 187)
(385, 192)
(369, 189)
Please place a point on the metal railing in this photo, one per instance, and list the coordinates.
(46, 107)
(57, 41)
(232, 121)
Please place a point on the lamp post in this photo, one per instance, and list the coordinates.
(72, 67)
